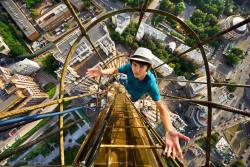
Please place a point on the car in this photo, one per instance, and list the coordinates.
(57, 29)
(58, 33)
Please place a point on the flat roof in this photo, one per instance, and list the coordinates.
(57, 10)
(19, 18)
(94, 33)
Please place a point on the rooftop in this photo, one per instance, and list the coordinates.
(95, 34)
(53, 12)
(237, 20)
(22, 22)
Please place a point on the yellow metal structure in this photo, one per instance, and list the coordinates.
(121, 136)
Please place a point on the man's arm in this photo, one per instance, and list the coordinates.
(172, 148)
(109, 71)
(96, 72)
(165, 117)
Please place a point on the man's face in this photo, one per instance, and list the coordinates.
(139, 70)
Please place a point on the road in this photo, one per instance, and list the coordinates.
(109, 5)
(188, 12)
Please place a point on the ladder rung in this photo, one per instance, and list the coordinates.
(131, 146)
(128, 126)
(127, 117)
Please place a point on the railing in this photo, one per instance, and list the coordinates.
(84, 30)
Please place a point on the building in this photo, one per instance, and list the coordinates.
(54, 17)
(225, 151)
(121, 21)
(197, 116)
(194, 89)
(146, 29)
(231, 21)
(4, 49)
(147, 106)
(180, 85)
(164, 70)
(25, 67)
(20, 19)
(171, 46)
(18, 91)
(194, 56)
(77, 4)
(84, 56)
(98, 35)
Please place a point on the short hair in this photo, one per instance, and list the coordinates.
(141, 63)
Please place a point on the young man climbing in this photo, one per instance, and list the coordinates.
(141, 81)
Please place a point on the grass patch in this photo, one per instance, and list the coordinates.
(50, 89)
(51, 92)
(49, 64)
(25, 137)
(203, 144)
(70, 154)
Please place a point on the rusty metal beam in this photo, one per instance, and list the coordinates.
(207, 103)
(214, 84)
(42, 105)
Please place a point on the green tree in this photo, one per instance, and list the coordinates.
(235, 55)
(211, 20)
(180, 8)
(87, 3)
(35, 12)
(157, 19)
(238, 52)
(49, 64)
(231, 88)
(31, 3)
(167, 6)
(15, 46)
(198, 18)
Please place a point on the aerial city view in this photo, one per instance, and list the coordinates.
(125, 83)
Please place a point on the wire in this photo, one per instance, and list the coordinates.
(39, 116)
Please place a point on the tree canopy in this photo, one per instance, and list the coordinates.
(31, 3)
(235, 56)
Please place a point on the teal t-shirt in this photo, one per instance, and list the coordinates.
(137, 88)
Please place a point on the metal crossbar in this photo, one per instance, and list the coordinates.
(130, 146)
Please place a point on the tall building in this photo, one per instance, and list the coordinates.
(25, 67)
(150, 31)
(20, 19)
(121, 21)
(54, 17)
(18, 91)
(231, 21)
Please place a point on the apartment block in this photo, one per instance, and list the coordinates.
(18, 91)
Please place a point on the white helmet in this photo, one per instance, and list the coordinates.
(143, 55)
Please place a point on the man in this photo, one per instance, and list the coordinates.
(140, 81)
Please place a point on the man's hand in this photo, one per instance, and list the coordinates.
(94, 72)
(172, 144)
